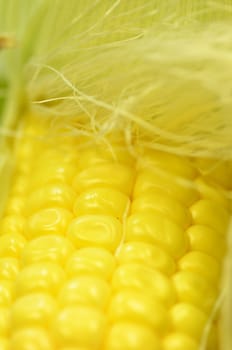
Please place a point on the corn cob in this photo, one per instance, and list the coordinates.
(114, 233)
(105, 249)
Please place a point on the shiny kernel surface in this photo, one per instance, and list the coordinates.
(95, 230)
(193, 288)
(136, 306)
(48, 221)
(206, 240)
(39, 277)
(210, 214)
(85, 290)
(91, 260)
(102, 200)
(131, 336)
(82, 325)
(202, 264)
(9, 268)
(12, 224)
(50, 195)
(31, 338)
(152, 227)
(179, 341)
(6, 293)
(114, 175)
(143, 278)
(176, 187)
(188, 319)
(11, 244)
(53, 248)
(147, 254)
(36, 309)
(159, 201)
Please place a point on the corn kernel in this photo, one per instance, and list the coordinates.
(131, 336)
(178, 188)
(12, 224)
(91, 260)
(188, 319)
(31, 338)
(40, 277)
(157, 200)
(212, 192)
(9, 268)
(210, 214)
(206, 240)
(85, 290)
(33, 310)
(4, 321)
(194, 289)
(4, 344)
(168, 162)
(201, 264)
(137, 306)
(157, 229)
(15, 205)
(6, 292)
(80, 326)
(48, 221)
(50, 195)
(102, 200)
(95, 230)
(11, 245)
(51, 248)
(143, 278)
(115, 175)
(180, 341)
(147, 254)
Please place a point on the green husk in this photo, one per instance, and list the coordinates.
(160, 68)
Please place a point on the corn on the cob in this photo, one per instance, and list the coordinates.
(104, 249)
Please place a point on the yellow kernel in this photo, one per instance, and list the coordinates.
(180, 341)
(50, 195)
(168, 162)
(147, 254)
(6, 292)
(15, 205)
(201, 264)
(4, 343)
(156, 228)
(207, 241)
(48, 221)
(20, 184)
(138, 306)
(188, 319)
(91, 260)
(144, 279)
(32, 310)
(51, 248)
(212, 192)
(80, 326)
(95, 230)
(9, 268)
(4, 321)
(115, 175)
(157, 200)
(12, 224)
(179, 188)
(131, 336)
(40, 277)
(11, 245)
(102, 200)
(193, 288)
(85, 290)
(31, 338)
(210, 214)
